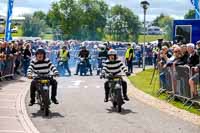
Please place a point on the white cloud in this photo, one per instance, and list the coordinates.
(174, 8)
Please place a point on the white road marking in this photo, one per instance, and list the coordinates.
(75, 84)
(98, 86)
(11, 131)
(85, 86)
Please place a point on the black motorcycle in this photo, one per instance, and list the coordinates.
(85, 66)
(42, 93)
(115, 94)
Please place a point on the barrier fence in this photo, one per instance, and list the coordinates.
(175, 81)
(7, 67)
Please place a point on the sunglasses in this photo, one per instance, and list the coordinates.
(176, 51)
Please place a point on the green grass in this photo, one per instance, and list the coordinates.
(47, 36)
(18, 34)
(142, 82)
(149, 38)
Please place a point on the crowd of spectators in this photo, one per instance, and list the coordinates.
(15, 55)
(186, 55)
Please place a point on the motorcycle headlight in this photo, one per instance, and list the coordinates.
(117, 86)
(45, 87)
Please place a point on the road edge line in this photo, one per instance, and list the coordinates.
(22, 112)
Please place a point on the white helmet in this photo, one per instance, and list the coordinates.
(112, 52)
(102, 46)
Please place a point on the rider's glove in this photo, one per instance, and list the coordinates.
(56, 74)
(109, 76)
(128, 74)
(30, 77)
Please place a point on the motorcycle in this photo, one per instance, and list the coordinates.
(115, 94)
(101, 60)
(84, 66)
(42, 93)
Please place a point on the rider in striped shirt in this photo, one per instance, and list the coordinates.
(42, 65)
(114, 66)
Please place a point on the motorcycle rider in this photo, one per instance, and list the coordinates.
(84, 53)
(64, 57)
(103, 53)
(113, 66)
(42, 65)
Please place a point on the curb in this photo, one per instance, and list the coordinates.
(22, 112)
(162, 105)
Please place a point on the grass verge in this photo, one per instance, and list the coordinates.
(18, 34)
(142, 82)
(149, 38)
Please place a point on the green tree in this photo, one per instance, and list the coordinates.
(54, 16)
(190, 14)
(93, 18)
(133, 23)
(40, 14)
(33, 26)
(156, 21)
(165, 22)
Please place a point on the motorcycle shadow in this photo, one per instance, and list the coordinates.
(123, 112)
(40, 113)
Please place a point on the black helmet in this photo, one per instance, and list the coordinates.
(64, 47)
(40, 51)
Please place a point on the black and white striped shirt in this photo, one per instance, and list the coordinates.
(44, 67)
(114, 67)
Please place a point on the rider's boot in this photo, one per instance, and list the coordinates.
(125, 94)
(54, 100)
(106, 97)
(32, 102)
(126, 98)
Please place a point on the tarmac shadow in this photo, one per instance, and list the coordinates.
(40, 113)
(123, 112)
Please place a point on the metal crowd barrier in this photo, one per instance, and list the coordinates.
(177, 83)
(7, 67)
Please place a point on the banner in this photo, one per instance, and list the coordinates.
(8, 33)
(195, 3)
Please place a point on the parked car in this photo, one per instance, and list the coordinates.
(14, 29)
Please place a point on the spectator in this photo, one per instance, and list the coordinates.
(26, 58)
(193, 81)
(193, 58)
(185, 53)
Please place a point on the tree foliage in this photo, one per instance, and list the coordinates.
(165, 22)
(190, 14)
(33, 26)
(87, 19)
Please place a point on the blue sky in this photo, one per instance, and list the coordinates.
(174, 8)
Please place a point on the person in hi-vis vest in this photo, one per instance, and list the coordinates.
(64, 57)
(129, 58)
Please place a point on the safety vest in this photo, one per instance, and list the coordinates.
(155, 50)
(127, 55)
(63, 55)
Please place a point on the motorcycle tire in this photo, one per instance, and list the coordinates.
(119, 101)
(46, 111)
(114, 104)
(46, 103)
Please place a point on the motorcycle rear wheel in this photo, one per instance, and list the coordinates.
(119, 101)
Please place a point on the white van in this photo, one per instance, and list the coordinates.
(154, 30)
(2, 29)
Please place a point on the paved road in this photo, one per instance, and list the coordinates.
(82, 110)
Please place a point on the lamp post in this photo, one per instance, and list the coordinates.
(144, 4)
